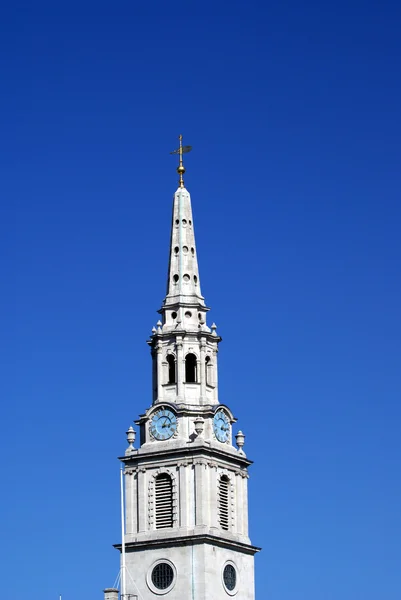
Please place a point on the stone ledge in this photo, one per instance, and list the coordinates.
(190, 540)
(191, 449)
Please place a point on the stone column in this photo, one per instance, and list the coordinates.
(215, 375)
(180, 368)
(202, 370)
(159, 351)
(154, 375)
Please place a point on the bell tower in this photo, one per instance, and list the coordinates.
(186, 517)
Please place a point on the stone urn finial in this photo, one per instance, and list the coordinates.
(199, 424)
(240, 439)
(131, 435)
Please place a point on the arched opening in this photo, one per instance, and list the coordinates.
(163, 501)
(190, 368)
(171, 368)
(224, 486)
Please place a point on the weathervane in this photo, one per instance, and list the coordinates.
(181, 169)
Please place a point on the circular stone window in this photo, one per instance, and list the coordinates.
(161, 577)
(186, 277)
(230, 579)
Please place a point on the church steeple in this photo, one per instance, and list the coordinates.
(186, 519)
(184, 348)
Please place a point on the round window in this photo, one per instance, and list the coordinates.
(162, 576)
(230, 577)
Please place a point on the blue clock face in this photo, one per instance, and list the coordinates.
(221, 426)
(163, 424)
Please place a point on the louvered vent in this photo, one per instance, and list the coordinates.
(223, 498)
(164, 501)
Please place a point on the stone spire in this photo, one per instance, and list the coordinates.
(183, 285)
(183, 346)
(183, 282)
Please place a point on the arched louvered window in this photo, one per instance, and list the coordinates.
(171, 368)
(224, 488)
(163, 501)
(190, 368)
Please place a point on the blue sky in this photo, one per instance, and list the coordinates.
(293, 113)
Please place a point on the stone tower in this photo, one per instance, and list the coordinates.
(186, 518)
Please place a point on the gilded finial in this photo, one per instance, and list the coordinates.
(181, 169)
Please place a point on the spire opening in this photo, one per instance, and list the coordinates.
(190, 368)
(171, 368)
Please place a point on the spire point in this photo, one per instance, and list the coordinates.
(181, 169)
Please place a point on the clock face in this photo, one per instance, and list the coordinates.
(163, 424)
(221, 426)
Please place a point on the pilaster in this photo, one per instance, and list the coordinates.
(142, 500)
(201, 492)
(245, 505)
(131, 510)
(213, 486)
(184, 506)
(239, 510)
